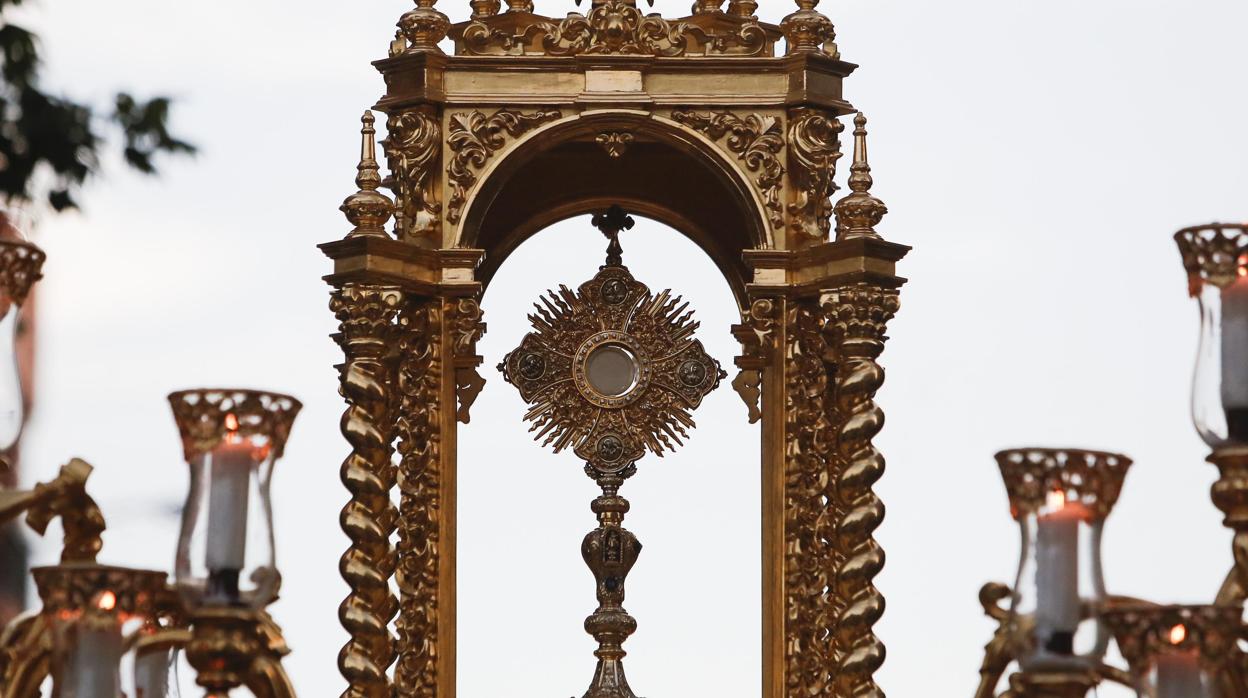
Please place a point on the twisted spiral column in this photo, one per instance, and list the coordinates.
(366, 314)
(857, 317)
(419, 479)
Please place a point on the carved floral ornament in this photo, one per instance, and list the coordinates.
(412, 150)
(612, 319)
(614, 27)
(756, 139)
(474, 138)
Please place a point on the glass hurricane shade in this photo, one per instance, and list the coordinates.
(89, 607)
(1060, 499)
(231, 438)
(1216, 259)
(20, 265)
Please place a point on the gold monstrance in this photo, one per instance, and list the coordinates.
(612, 371)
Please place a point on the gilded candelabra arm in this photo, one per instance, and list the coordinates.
(1122, 677)
(232, 647)
(268, 678)
(25, 656)
(66, 497)
(1000, 650)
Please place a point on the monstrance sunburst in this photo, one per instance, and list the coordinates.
(612, 371)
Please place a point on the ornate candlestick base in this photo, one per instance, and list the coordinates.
(232, 647)
(610, 552)
(1230, 495)
(1052, 685)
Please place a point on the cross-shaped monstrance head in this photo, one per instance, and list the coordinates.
(612, 371)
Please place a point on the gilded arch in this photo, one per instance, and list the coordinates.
(590, 107)
(560, 170)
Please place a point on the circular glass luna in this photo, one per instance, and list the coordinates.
(612, 370)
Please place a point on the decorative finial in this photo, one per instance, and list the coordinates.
(520, 6)
(611, 223)
(858, 213)
(368, 209)
(424, 27)
(708, 7)
(807, 30)
(744, 9)
(484, 9)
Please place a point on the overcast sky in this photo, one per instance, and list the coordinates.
(1038, 155)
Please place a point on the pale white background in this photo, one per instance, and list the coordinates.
(1037, 154)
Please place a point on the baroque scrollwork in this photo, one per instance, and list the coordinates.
(757, 140)
(367, 314)
(474, 138)
(412, 151)
(814, 149)
(419, 478)
(616, 27)
(757, 334)
(809, 521)
(464, 321)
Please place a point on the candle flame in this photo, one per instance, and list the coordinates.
(1056, 500)
(107, 601)
(1178, 634)
(231, 428)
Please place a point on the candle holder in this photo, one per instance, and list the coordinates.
(1060, 499)
(233, 647)
(1215, 257)
(231, 439)
(1181, 651)
(87, 606)
(21, 265)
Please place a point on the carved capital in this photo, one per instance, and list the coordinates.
(757, 140)
(366, 314)
(858, 317)
(475, 138)
(412, 152)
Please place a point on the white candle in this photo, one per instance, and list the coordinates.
(151, 673)
(229, 486)
(93, 661)
(1235, 344)
(1057, 570)
(1179, 676)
